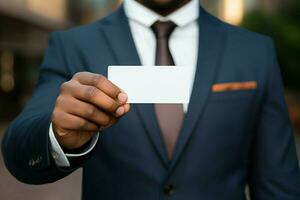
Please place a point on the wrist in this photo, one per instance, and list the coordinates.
(77, 150)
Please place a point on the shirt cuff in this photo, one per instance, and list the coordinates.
(59, 156)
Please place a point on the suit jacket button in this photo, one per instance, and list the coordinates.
(169, 190)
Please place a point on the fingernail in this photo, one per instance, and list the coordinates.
(120, 111)
(127, 107)
(122, 97)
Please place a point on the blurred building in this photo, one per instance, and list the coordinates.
(24, 31)
(233, 11)
(85, 11)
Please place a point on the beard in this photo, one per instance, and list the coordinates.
(162, 6)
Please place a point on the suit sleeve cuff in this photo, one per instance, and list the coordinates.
(60, 157)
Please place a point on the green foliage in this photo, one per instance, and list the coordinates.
(284, 28)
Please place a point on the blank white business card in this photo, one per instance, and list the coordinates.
(152, 84)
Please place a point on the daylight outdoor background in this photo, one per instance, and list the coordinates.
(26, 24)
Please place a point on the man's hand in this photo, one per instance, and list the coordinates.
(86, 104)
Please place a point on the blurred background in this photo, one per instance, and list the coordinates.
(26, 24)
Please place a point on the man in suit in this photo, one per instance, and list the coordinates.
(234, 132)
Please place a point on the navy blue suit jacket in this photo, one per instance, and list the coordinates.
(228, 140)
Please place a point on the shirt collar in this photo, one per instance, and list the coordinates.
(143, 15)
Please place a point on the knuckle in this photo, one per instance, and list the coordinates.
(98, 79)
(55, 116)
(91, 111)
(59, 100)
(82, 123)
(77, 75)
(67, 87)
(91, 92)
(64, 86)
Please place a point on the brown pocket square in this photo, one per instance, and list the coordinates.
(233, 86)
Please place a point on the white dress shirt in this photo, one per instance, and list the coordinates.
(183, 44)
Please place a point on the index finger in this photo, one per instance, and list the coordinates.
(98, 81)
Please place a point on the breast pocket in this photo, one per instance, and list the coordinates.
(232, 96)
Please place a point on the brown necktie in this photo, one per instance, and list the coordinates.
(169, 116)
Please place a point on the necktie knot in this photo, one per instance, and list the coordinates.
(163, 29)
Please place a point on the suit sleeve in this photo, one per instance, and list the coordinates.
(26, 145)
(61, 158)
(274, 173)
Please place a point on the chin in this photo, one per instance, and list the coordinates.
(162, 4)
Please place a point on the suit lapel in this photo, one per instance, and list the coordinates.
(211, 43)
(118, 34)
